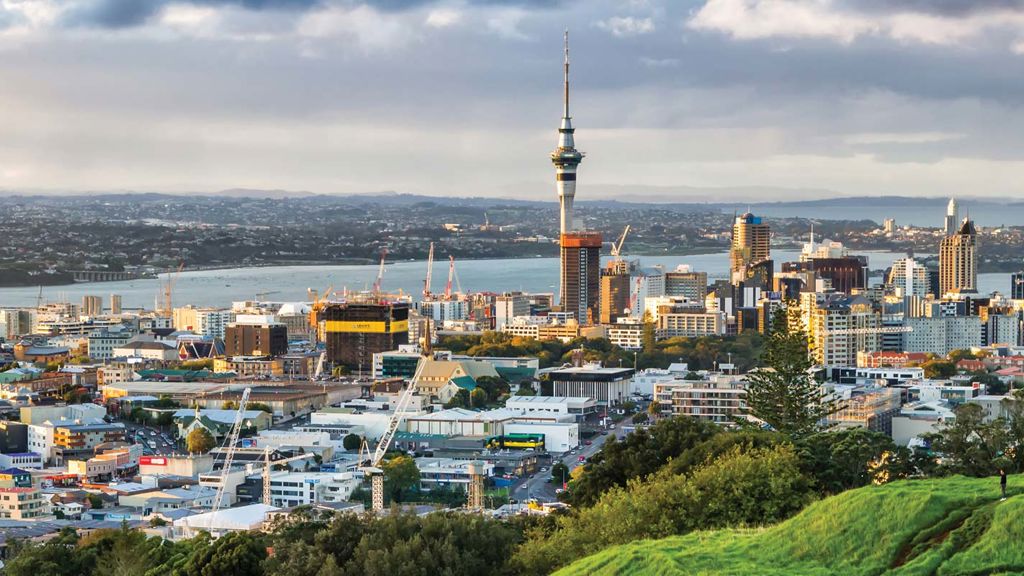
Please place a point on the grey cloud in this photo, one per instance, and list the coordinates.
(115, 14)
(949, 8)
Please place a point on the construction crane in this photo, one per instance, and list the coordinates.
(169, 290)
(636, 294)
(878, 330)
(617, 247)
(380, 272)
(229, 456)
(320, 365)
(430, 273)
(319, 301)
(267, 464)
(373, 469)
(451, 274)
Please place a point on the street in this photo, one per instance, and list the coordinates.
(538, 486)
(154, 442)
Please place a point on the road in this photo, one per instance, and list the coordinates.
(538, 486)
(154, 442)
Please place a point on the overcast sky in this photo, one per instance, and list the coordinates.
(462, 97)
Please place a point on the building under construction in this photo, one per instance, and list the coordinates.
(354, 331)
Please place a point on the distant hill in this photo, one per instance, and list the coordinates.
(915, 527)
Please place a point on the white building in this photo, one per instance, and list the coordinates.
(447, 472)
(915, 419)
(289, 489)
(644, 380)
(608, 386)
(148, 349)
(943, 334)
(373, 424)
(169, 499)
(577, 406)
(508, 306)
(83, 412)
(644, 284)
(627, 333)
(691, 324)
(717, 400)
(219, 523)
(558, 436)
(102, 342)
(463, 422)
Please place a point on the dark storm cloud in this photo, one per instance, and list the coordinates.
(115, 14)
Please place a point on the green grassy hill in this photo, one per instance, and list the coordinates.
(917, 527)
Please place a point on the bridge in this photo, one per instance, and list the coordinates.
(103, 275)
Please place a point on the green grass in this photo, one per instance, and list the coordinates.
(941, 527)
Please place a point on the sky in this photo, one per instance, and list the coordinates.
(463, 97)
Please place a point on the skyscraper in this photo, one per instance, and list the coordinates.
(580, 274)
(615, 287)
(958, 261)
(1017, 285)
(92, 305)
(751, 243)
(952, 217)
(910, 278)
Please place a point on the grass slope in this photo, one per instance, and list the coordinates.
(942, 527)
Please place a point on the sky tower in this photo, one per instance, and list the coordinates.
(566, 157)
(580, 278)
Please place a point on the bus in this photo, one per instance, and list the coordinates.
(534, 441)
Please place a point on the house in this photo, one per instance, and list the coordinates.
(27, 352)
(219, 422)
(149, 349)
(442, 379)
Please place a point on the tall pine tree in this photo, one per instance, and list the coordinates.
(783, 394)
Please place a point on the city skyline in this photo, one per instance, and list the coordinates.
(814, 99)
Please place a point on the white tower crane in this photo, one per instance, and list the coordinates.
(229, 456)
(373, 469)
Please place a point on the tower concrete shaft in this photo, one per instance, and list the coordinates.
(565, 156)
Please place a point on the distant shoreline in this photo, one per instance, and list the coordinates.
(356, 262)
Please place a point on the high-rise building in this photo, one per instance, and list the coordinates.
(958, 261)
(615, 286)
(1017, 285)
(580, 251)
(115, 304)
(683, 282)
(581, 275)
(840, 326)
(909, 278)
(889, 226)
(256, 339)
(751, 243)
(92, 305)
(831, 261)
(952, 217)
(508, 306)
(355, 331)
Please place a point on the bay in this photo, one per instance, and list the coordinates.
(289, 283)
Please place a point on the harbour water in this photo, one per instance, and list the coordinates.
(289, 283)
